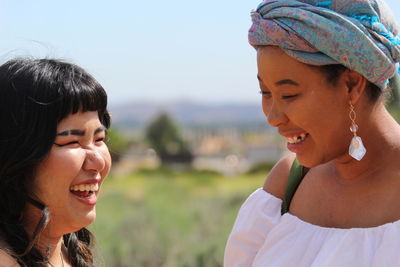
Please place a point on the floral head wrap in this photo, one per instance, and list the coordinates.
(359, 34)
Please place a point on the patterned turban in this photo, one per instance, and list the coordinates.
(359, 34)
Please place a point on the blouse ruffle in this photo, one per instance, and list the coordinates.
(262, 237)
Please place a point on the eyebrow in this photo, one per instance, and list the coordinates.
(282, 82)
(80, 132)
(286, 81)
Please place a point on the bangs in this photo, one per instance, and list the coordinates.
(35, 95)
(78, 91)
(82, 94)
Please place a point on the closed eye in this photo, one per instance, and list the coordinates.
(101, 139)
(265, 93)
(288, 96)
(67, 144)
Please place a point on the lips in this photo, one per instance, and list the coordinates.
(86, 192)
(295, 139)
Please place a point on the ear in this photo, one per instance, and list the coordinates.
(355, 84)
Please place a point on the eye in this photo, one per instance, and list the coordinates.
(101, 139)
(67, 144)
(265, 93)
(288, 96)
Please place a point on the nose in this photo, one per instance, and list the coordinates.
(274, 113)
(94, 160)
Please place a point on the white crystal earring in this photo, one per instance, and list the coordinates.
(356, 148)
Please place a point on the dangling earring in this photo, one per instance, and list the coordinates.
(356, 148)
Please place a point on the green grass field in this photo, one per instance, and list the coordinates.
(165, 219)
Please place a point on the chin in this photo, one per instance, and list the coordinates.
(89, 218)
(84, 220)
(309, 162)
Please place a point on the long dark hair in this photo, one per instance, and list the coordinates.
(35, 95)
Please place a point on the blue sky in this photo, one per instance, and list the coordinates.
(143, 50)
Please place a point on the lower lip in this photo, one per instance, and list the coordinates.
(296, 148)
(90, 200)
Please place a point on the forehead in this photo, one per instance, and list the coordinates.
(273, 63)
(80, 120)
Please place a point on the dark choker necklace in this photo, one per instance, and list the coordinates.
(36, 203)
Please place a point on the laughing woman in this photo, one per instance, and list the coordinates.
(324, 69)
(53, 160)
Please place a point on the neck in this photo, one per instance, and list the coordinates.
(381, 137)
(52, 248)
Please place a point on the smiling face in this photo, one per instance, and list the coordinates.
(311, 113)
(68, 179)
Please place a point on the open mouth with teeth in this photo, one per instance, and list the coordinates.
(84, 190)
(296, 139)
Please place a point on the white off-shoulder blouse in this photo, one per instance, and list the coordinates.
(261, 236)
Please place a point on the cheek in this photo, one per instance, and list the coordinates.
(314, 121)
(326, 122)
(107, 159)
(67, 161)
(59, 168)
(265, 103)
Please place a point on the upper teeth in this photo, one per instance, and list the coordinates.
(85, 187)
(296, 139)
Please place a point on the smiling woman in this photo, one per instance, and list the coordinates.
(53, 160)
(325, 69)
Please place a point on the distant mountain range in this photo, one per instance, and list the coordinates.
(189, 114)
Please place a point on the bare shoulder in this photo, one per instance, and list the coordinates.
(6, 260)
(276, 181)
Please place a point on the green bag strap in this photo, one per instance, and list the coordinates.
(296, 175)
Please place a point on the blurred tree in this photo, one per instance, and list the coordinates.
(117, 144)
(164, 137)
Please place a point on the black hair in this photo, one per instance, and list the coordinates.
(333, 72)
(35, 95)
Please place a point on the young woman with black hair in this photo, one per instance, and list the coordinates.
(53, 160)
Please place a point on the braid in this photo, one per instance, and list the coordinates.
(20, 245)
(79, 246)
(23, 249)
